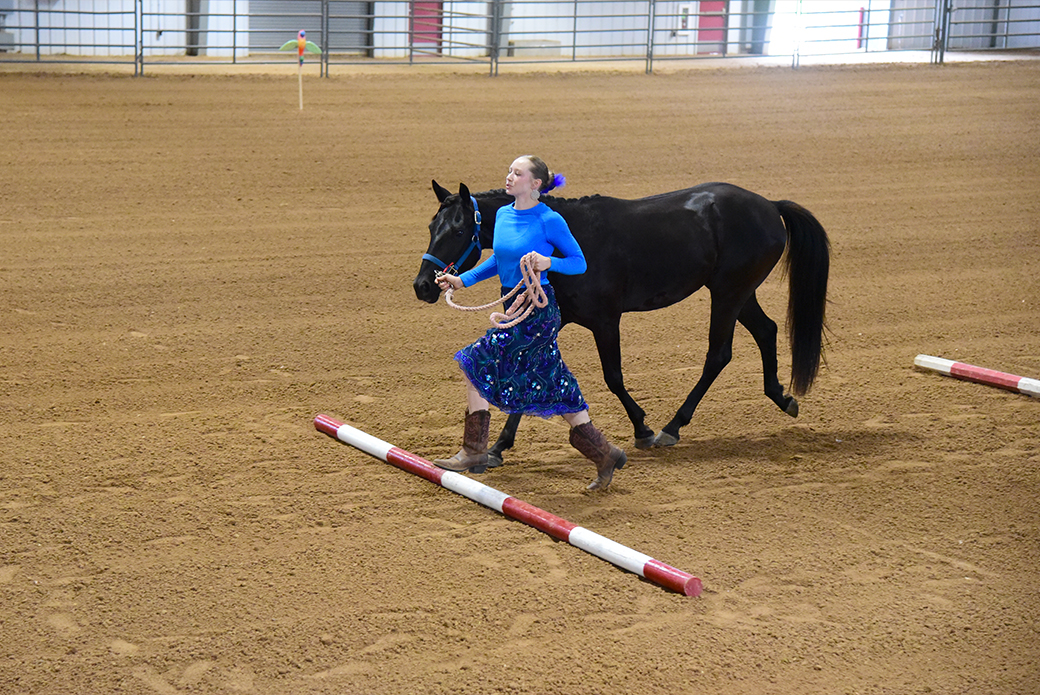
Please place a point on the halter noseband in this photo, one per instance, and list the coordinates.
(475, 243)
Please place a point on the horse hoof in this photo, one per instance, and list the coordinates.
(645, 442)
(494, 460)
(792, 407)
(665, 439)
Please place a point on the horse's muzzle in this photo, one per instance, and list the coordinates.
(426, 289)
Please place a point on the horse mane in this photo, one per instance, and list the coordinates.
(496, 192)
(585, 208)
(493, 193)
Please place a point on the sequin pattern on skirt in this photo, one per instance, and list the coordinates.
(520, 369)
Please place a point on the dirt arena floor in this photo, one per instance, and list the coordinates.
(191, 269)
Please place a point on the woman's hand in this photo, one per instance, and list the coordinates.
(538, 261)
(446, 282)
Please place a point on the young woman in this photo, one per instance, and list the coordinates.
(519, 369)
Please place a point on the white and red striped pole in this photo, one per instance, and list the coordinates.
(981, 375)
(560, 529)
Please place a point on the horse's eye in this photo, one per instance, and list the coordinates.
(459, 232)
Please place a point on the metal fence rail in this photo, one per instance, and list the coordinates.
(493, 32)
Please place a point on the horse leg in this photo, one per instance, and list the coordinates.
(763, 330)
(720, 352)
(505, 441)
(608, 344)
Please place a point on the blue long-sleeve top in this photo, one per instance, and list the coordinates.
(517, 233)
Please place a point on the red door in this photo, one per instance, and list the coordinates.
(711, 26)
(426, 24)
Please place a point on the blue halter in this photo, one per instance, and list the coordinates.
(474, 244)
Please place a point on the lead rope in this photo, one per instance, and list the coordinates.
(532, 296)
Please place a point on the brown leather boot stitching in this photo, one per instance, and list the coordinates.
(593, 445)
(473, 456)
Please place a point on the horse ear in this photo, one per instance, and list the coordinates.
(440, 191)
(464, 191)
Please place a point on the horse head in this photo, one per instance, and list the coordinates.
(454, 240)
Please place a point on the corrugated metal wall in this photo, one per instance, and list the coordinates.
(271, 21)
(973, 24)
(913, 25)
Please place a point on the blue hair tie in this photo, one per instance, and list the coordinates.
(558, 181)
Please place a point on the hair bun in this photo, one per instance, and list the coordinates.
(558, 181)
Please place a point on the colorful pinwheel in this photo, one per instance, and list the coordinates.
(302, 45)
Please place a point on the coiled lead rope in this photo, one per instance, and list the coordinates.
(525, 302)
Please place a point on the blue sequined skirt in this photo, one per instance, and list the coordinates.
(520, 370)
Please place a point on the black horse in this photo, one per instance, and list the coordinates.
(652, 252)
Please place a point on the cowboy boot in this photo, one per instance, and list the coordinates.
(594, 446)
(473, 456)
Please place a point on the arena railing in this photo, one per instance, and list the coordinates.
(494, 33)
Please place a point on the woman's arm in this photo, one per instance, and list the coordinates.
(559, 235)
(487, 269)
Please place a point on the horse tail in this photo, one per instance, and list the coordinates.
(807, 265)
